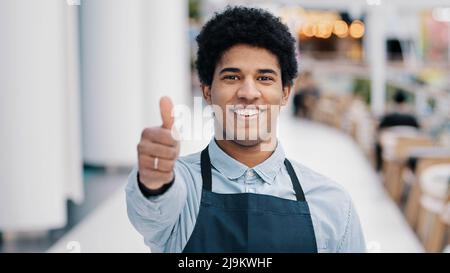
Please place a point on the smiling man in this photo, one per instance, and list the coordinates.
(240, 194)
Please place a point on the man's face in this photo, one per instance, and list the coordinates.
(246, 94)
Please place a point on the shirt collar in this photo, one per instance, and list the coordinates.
(234, 169)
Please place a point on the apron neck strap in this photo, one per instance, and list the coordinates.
(207, 177)
(206, 170)
(294, 180)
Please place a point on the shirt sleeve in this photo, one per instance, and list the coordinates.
(353, 239)
(155, 216)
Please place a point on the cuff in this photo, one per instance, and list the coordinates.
(161, 207)
(148, 192)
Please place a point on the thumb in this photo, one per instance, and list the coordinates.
(166, 106)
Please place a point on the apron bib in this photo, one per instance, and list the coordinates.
(248, 222)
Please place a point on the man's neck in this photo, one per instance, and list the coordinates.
(250, 156)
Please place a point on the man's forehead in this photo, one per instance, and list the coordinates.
(245, 57)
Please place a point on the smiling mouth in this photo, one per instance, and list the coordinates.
(247, 112)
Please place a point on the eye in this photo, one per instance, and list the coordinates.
(231, 77)
(264, 78)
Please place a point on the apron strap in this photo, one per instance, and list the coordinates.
(295, 183)
(206, 170)
(207, 177)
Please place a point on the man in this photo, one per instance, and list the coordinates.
(240, 194)
(306, 96)
(400, 116)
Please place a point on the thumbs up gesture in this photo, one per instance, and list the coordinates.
(158, 150)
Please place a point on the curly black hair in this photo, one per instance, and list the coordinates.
(243, 25)
(399, 96)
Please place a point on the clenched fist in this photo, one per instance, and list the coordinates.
(158, 150)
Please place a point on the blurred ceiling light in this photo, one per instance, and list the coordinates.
(340, 28)
(309, 30)
(319, 24)
(357, 29)
(441, 14)
(324, 30)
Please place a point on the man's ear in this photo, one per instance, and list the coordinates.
(286, 92)
(206, 91)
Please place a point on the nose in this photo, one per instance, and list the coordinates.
(248, 91)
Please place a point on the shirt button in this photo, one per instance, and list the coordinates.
(250, 173)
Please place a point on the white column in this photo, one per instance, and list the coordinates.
(133, 52)
(111, 80)
(32, 115)
(74, 167)
(376, 42)
(166, 55)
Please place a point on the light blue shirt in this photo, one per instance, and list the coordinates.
(167, 221)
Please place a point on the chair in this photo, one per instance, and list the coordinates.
(393, 167)
(413, 199)
(434, 208)
(433, 224)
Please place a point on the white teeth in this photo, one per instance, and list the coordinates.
(246, 112)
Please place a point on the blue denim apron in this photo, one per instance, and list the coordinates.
(248, 222)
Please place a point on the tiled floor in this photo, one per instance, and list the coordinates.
(99, 185)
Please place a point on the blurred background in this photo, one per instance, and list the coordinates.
(80, 79)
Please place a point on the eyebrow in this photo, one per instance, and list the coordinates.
(267, 71)
(237, 70)
(230, 69)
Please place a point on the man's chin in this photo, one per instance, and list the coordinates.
(247, 143)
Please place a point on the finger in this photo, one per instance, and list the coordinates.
(163, 165)
(159, 135)
(166, 107)
(158, 150)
